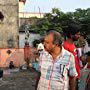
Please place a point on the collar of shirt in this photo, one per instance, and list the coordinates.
(58, 57)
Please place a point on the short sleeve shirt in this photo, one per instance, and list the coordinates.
(54, 74)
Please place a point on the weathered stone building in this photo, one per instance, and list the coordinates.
(9, 25)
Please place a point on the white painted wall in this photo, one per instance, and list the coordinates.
(32, 37)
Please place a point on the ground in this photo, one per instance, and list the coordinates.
(18, 80)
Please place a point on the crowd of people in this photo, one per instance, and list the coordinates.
(64, 65)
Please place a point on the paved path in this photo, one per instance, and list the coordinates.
(18, 80)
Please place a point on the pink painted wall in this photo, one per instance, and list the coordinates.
(16, 55)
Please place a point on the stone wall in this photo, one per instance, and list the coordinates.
(9, 29)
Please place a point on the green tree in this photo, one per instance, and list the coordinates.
(60, 21)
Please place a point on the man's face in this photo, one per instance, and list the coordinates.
(76, 36)
(48, 43)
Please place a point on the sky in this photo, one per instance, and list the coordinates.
(45, 6)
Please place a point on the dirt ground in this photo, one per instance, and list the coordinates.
(18, 80)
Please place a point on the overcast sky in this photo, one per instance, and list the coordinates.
(63, 5)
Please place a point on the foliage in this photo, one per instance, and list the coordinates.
(60, 21)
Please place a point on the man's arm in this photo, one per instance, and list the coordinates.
(72, 74)
(72, 83)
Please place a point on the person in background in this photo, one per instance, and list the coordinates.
(84, 43)
(56, 65)
(83, 47)
(73, 34)
(81, 43)
(85, 75)
(40, 46)
(11, 65)
(88, 77)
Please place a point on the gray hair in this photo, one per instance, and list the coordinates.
(57, 37)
